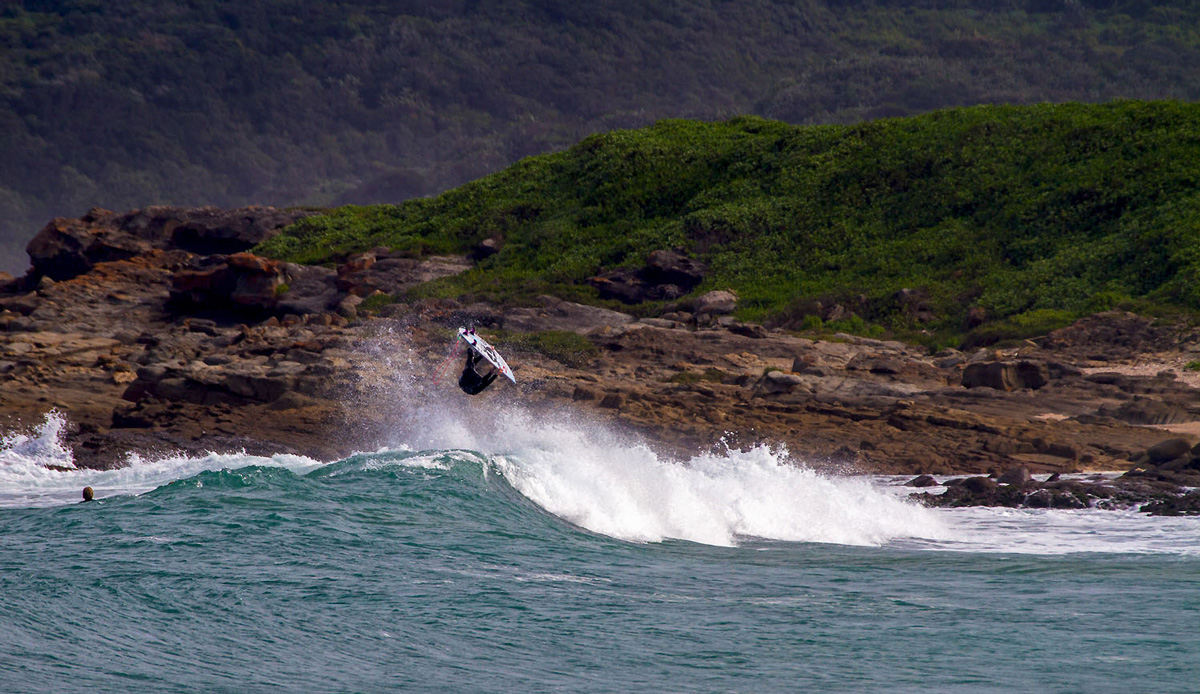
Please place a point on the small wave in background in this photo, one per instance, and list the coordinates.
(37, 469)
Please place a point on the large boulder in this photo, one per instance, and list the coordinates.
(922, 481)
(623, 285)
(779, 382)
(753, 330)
(211, 230)
(308, 289)
(1169, 449)
(67, 248)
(978, 485)
(666, 275)
(1006, 376)
(972, 491)
(203, 230)
(242, 282)
(258, 282)
(1147, 412)
(1109, 336)
(673, 267)
(715, 302)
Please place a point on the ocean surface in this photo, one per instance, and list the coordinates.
(496, 551)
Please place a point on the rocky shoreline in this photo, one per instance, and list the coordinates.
(156, 331)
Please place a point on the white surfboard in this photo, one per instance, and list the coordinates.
(481, 345)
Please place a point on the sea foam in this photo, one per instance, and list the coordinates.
(615, 484)
(38, 469)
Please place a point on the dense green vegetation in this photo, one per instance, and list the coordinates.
(123, 104)
(1037, 214)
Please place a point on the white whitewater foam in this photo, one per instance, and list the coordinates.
(1059, 532)
(712, 499)
(44, 448)
(27, 481)
(615, 485)
(1055, 531)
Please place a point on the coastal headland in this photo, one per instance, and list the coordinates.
(156, 330)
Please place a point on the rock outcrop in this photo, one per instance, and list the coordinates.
(67, 248)
(666, 275)
(1161, 483)
(1006, 375)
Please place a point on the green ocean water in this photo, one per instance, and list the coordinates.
(572, 562)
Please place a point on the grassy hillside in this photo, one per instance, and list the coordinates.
(1037, 214)
(123, 104)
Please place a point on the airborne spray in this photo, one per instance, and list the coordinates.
(615, 484)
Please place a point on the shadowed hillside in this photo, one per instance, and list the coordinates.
(292, 102)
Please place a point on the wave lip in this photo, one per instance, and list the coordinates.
(633, 495)
(613, 484)
(42, 450)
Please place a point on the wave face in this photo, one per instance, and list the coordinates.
(488, 549)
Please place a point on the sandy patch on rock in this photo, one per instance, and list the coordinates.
(1153, 366)
(1050, 417)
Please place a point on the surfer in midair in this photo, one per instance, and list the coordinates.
(470, 380)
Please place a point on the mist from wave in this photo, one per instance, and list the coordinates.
(613, 483)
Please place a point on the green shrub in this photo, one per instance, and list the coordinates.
(374, 303)
(812, 322)
(1029, 324)
(855, 325)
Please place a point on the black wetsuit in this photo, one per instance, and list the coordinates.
(470, 381)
